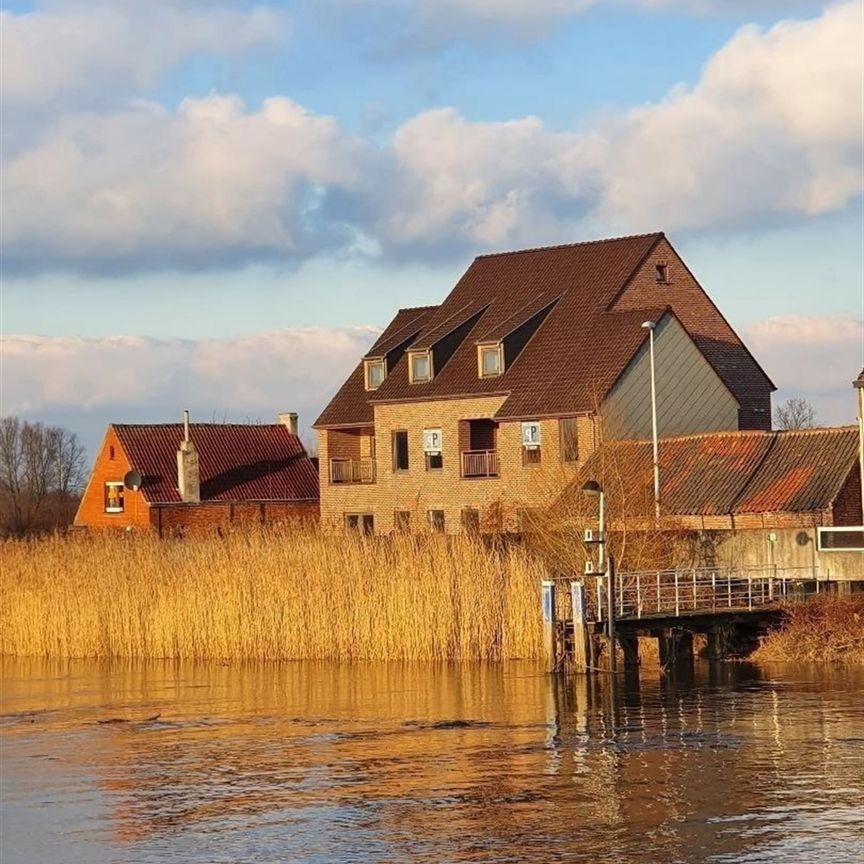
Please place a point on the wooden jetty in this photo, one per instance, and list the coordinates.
(732, 607)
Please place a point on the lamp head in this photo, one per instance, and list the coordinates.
(592, 487)
(648, 325)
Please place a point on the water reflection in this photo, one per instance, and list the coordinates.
(323, 762)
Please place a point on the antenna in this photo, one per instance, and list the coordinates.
(132, 480)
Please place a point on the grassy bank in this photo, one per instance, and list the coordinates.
(824, 630)
(268, 596)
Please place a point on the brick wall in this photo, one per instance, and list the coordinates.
(847, 506)
(701, 320)
(418, 490)
(171, 520)
(91, 511)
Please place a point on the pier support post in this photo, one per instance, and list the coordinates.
(550, 636)
(630, 648)
(719, 642)
(581, 646)
(676, 646)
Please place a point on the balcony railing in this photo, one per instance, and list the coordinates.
(480, 463)
(352, 470)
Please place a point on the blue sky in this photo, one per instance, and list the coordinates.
(187, 185)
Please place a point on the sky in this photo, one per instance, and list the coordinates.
(218, 205)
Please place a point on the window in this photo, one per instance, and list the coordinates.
(436, 521)
(114, 497)
(376, 372)
(569, 439)
(420, 367)
(432, 449)
(362, 523)
(662, 271)
(434, 461)
(470, 520)
(402, 520)
(400, 451)
(491, 360)
(530, 455)
(111, 452)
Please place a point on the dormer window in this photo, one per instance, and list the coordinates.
(490, 360)
(662, 271)
(375, 372)
(419, 367)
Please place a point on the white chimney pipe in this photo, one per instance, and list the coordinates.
(289, 420)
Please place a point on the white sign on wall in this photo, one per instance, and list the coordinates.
(432, 441)
(531, 434)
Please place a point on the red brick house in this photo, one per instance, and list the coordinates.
(462, 414)
(204, 476)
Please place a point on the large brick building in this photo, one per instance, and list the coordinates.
(175, 478)
(462, 415)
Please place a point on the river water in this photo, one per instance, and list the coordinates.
(315, 762)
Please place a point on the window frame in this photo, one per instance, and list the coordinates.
(402, 521)
(532, 456)
(115, 484)
(467, 516)
(396, 468)
(416, 355)
(661, 272)
(368, 364)
(434, 526)
(562, 440)
(498, 350)
(430, 457)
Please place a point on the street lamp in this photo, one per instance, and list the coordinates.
(594, 489)
(649, 326)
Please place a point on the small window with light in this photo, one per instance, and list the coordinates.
(420, 367)
(490, 360)
(114, 497)
(376, 372)
(661, 270)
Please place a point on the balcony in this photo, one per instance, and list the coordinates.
(352, 471)
(479, 463)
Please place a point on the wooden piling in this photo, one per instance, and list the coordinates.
(581, 649)
(550, 636)
(610, 614)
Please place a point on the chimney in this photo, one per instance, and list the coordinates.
(188, 477)
(289, 421)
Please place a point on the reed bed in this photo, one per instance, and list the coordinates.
(269, 596)
(824, 630)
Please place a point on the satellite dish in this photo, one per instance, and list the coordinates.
(132, 480)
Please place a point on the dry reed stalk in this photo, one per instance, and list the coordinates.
(269, 596)
(822, 630)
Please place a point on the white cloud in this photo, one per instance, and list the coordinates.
(79, 48)
(812, 356)
(123, 376)
(761, 138)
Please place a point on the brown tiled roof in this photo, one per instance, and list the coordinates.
(351, 406)
(236, 462)
(578, 352)
(724, 473)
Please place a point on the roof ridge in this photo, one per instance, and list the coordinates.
(194, 423)
(571, 245)
(418, 308)
(729, 433)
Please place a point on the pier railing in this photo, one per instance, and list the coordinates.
(699, 591)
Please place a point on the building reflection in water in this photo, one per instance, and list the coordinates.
(476, 762)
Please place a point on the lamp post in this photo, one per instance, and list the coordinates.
(649, 326)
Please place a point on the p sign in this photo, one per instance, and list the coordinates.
(432, 440)
(531, 434)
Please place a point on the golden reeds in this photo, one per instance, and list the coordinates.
(269, 596)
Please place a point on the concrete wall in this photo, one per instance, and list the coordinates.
(691, 398)
(177, 520)
(418, 490)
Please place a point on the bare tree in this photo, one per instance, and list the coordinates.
(795, 414)
(42, 470)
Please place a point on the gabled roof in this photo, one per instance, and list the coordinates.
(723, 473)
(572, 360)
(236, 462)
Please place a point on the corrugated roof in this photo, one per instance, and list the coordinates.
(577, 353)
(722, 473)
(236, 462)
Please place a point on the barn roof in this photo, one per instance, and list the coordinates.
(723, 473)
(580, 334)
(236, 462)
